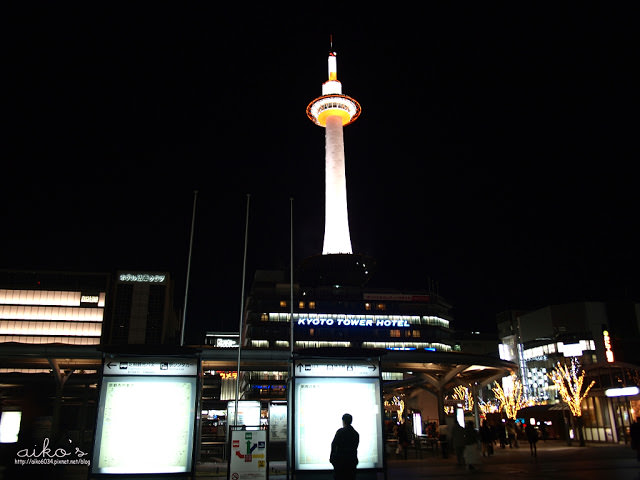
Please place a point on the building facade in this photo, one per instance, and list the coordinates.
(595, 335)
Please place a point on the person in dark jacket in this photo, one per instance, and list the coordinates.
(635, 436)
(344, 450)
(532, 436)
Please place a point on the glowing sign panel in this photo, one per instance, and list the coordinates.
(352, 322)
(129, 439)
(142, 278)
(335, 368)
(320, 404)
(608, 351)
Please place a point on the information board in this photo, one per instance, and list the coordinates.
(277, 422)
(320, 404)
(248, 457)
(145, 423)
(248, 412)
(335, 368)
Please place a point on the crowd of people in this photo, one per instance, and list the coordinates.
(469, 444)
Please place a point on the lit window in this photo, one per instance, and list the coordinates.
(311, 332)
(394, 333)
(300, 304)
(367, 306)
(312, 305)
(416, 333)
(381, 306)
(264, 317)
(283, 303)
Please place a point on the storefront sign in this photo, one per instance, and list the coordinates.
(607, 346)
(142, 278)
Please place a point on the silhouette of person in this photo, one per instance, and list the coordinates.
(532, 436)
(344, 450)
(634, 431)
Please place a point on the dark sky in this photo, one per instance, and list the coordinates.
(495, 153)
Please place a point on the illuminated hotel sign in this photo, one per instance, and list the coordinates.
(607, 346)
(352, 322)
(142, 278)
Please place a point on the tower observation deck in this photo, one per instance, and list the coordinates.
(333, 111)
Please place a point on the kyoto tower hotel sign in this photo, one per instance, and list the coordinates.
(333, 110)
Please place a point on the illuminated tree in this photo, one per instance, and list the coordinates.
(569, 385)
(397, 404)
(489, 407)
(569, 382)
(463, 394)
(512, 399)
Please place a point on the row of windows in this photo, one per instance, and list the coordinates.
(48, 297)
(21, 327)
(22, 312)
(299, 344)
(441, 347)
(567, 349)
(53, 339)
(38, 370)
(392, 333)
(312, 305)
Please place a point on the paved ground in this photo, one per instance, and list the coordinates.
(555, 460)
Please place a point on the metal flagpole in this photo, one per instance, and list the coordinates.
(291, 366)
(186, 288)
(291, 277)
(244, 268)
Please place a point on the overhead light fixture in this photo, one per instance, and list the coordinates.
(622, 392)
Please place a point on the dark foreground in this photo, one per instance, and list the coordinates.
(555, 460)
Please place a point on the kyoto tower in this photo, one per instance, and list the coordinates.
(337, 265)
(333, 111)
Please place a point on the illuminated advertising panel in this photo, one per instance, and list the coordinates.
(320, 404)
(277, 422)
(248, 412)
(145, 422)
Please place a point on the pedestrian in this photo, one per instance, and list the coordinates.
(512, 434)
(443, 436)
(457, 441)
(532, 436)
(471, 447)
(502, 434)
(344, 450)
(486, 439)
(543, 430)
(403, 439)
(634, 431)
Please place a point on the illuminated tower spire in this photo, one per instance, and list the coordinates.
(333, 110)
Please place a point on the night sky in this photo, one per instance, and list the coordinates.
(495, 154)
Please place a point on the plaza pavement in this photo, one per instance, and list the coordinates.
(555, 460)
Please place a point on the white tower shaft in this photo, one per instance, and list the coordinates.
(336, 226)
(333, 110)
